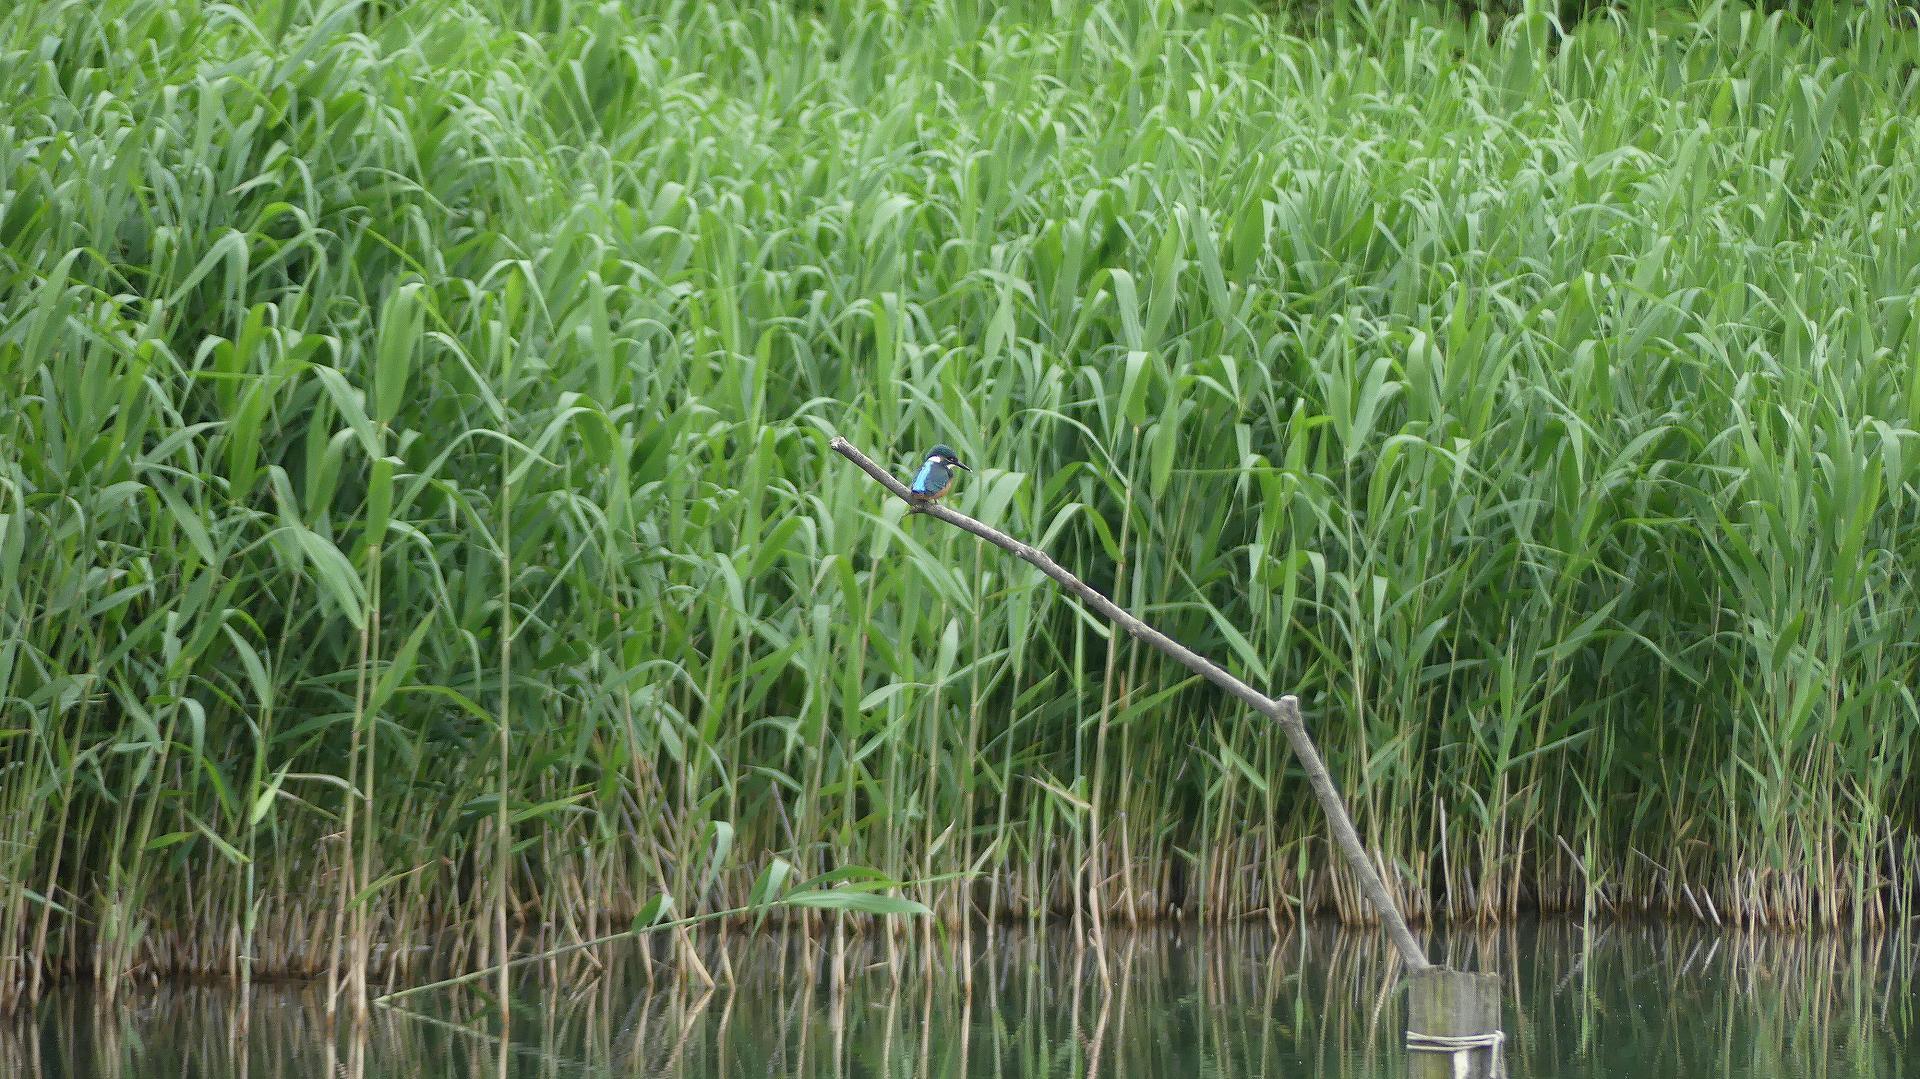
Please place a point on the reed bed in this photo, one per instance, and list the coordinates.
(415, 514)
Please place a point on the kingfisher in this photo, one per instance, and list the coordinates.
(935, 477)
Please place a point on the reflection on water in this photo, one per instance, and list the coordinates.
(1630, 1001)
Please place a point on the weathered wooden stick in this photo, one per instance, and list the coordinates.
(1285, 711)
(1453, 1025)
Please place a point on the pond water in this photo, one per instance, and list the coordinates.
(1632, 1001)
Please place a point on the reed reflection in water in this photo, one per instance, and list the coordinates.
(1639, 1001)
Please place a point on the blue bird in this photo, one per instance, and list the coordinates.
(935, 477)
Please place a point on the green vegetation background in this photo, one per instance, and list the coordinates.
(1537, 399)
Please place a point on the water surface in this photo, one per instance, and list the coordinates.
(1628, 1001)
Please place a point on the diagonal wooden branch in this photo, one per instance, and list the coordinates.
(1285, 711)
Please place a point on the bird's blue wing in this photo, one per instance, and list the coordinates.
(923, 479)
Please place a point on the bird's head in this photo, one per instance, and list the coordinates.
(943, 455)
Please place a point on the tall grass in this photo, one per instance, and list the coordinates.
(415, 508)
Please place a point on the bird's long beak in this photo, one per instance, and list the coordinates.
(957, 464)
